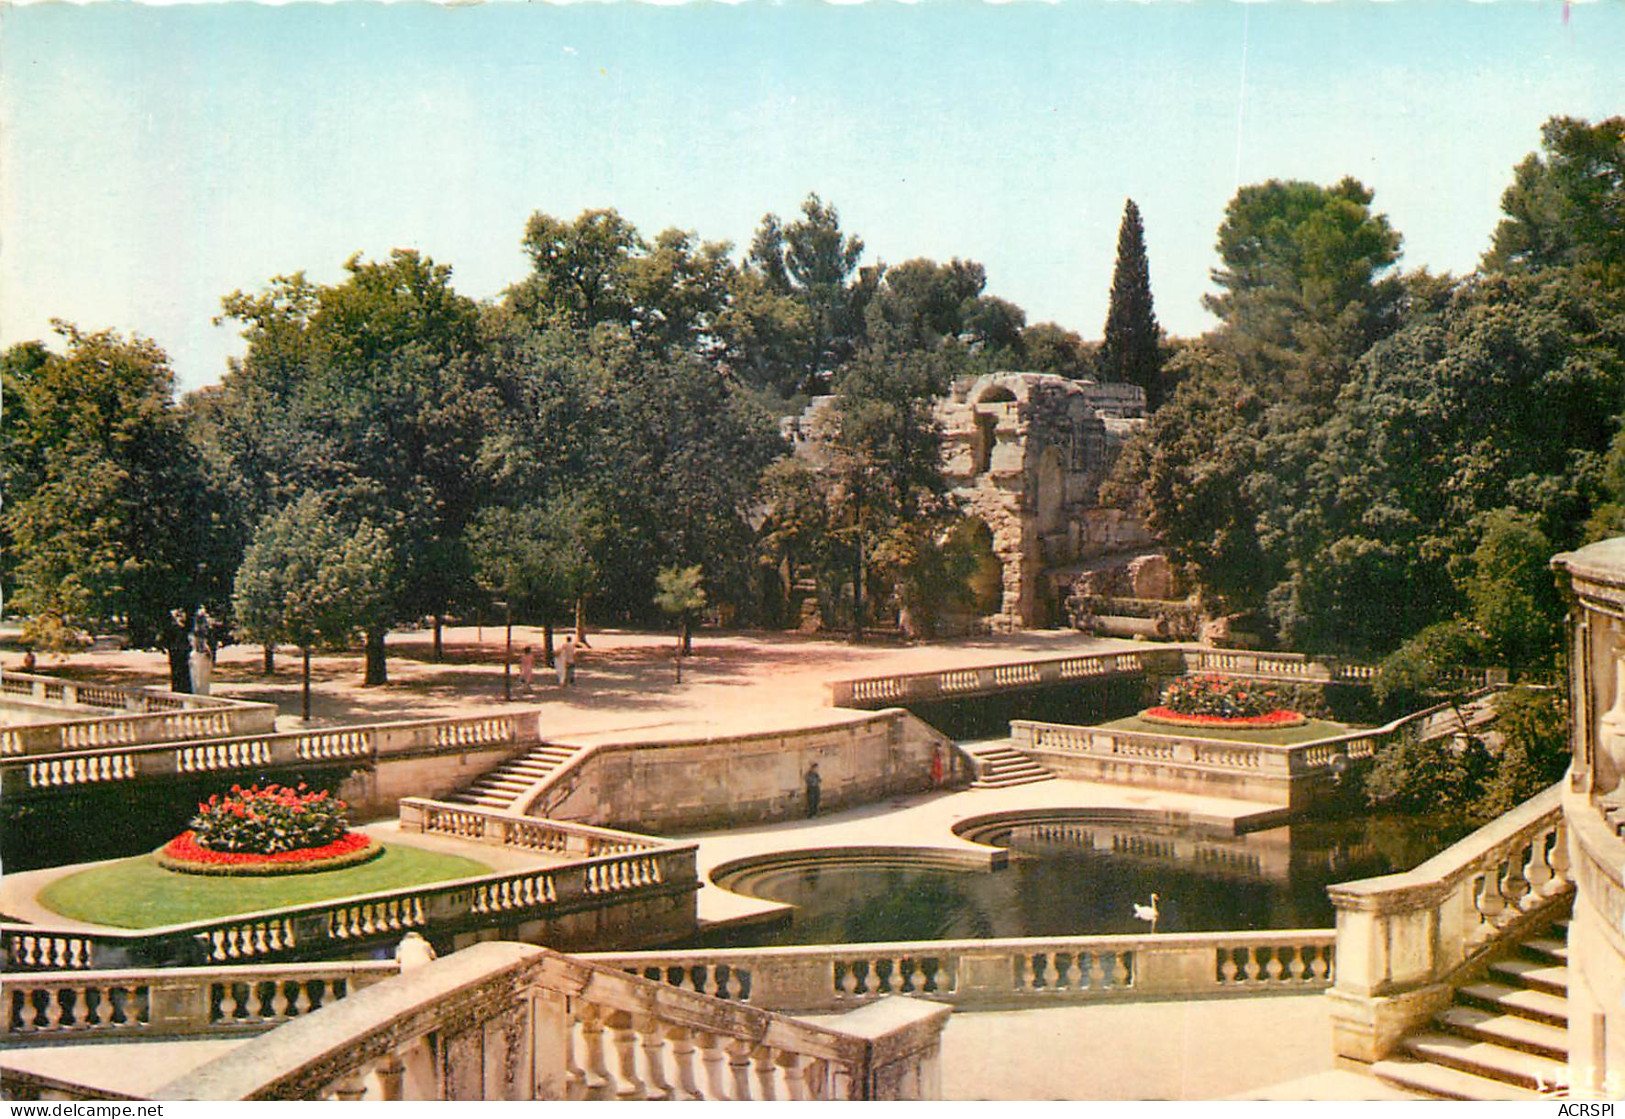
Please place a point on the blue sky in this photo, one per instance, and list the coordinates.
(156, 158)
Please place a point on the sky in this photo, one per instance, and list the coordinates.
(154, 159)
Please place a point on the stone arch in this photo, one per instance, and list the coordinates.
(985, 579)
(996, 394)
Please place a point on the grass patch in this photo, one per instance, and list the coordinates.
(1280, 736)
(139, 894)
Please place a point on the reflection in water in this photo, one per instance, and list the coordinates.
(1074, 876)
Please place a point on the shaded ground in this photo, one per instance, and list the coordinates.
(1310, 731)
(139, 894)
(736, 681)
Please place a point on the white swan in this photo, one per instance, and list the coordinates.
(1147, 912)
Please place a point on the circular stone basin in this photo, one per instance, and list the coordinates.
(139, 894)
(1076, 873)
(184, 855)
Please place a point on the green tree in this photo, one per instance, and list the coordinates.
(537, 558)
(377, 391)
(1512, 591)
(680, 592)
(308, 579)
(1132, 349)
(108, 515)
(1564, 206)
(1050, 348)
(1303, 283)
(1533, 727)
(813, 262)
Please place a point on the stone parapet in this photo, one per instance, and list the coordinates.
(1404, 940)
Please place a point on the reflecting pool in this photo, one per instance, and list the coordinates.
(1069, 875)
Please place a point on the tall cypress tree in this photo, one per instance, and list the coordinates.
(1130, 351)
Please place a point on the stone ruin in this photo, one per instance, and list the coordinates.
(1025, 454)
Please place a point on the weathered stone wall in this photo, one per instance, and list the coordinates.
(679, 786)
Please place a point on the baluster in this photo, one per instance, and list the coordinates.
(104, 1007)
(1051, 973)
(1075, 975)
(683, 1058)
(910, 979)
(592, 1043)
(228, 1001)
(81, 1008)
(795, 1074)
(1560, 858)
(1489, 901)
(739, 1065)
(1516, 886)
(254, 1003)
(815, 1077)
(1227, 965)
(1540, 870)
(575, 1077)
(1097, 971)
(1272, 966)
(1122, 968)
(846, 979)
(629, 1085)
(762, 1058)
(279, 999)
(53, 1008)
(654, 1057)
(711, 1053)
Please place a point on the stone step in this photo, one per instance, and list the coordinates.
(1487, 1059)
(1551, 978)
(1445, 1083)
(1548, 948)
(1007, 782)
(1509, 1030)
(1537, 1006)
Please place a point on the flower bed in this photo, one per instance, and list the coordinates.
(1270, 719)
(274, 830)
(183, 854)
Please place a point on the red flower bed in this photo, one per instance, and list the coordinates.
(183, 854)
(1278, 718)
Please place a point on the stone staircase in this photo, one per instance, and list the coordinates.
(999, 766)
(1505, 1037)
(501, 787)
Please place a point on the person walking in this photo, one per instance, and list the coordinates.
(815, 788)
(564, 662)
(527, 667)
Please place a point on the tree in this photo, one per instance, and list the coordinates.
(308, 579)
(1050, 348)
(1564, 208)
(537, 558)
(681, 594)
(108, 515)
(813, 262)
(1512, 592)
(1533, 727)
(380, 394)
(1132, 349)
(1303, 284)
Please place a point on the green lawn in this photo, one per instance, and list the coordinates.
(139, 894)
(1285, 736)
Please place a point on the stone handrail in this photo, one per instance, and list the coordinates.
(1015, 972)
(72, 1006)
(519, 832)
(1402, 938)
(511, 1021)
(1296, 760)
(347, 925)
(555, 788)
(40, 688)
(908, 687)
(359, 744)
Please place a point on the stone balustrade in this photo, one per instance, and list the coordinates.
(502, 1021)
(913, 687)
(370, 744)
(440, 910)
(73, 1006)
(1294, 776)
(519, 832)
(1403, 940)
(1016, 972)
(135, 716)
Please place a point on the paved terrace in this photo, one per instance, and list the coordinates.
(735, 682)
(740, 683)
